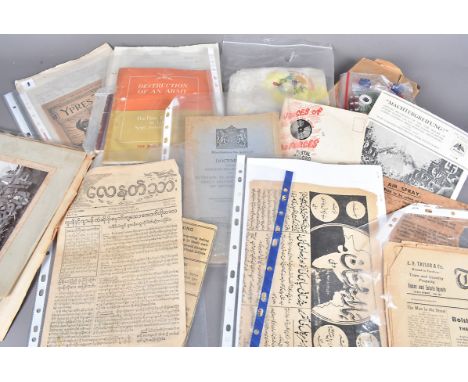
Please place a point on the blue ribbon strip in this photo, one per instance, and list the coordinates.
(271, 262)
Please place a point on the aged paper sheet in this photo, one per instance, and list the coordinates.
(399, 195)
(427, 286)
(118, 276)
(428, 229)
(198, 243)
(59, 100)
(323, 292)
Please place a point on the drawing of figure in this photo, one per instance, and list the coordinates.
(341, 286)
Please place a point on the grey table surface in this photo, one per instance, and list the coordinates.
(439, 63)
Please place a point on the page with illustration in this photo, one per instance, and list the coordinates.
(323, 291)
(416, 147)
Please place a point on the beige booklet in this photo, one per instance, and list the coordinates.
(38, 182)
(427, 291)
(118, 275)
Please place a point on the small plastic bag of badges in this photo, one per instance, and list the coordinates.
(260, 74)
(359, 91)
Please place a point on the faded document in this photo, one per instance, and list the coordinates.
(198, 243)
(323, 292)
(441, 230)
(427, 286)
(399, 195)
(118, 276)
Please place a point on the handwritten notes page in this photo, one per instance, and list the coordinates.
(323, 292)
(118, 276)
(198, 243)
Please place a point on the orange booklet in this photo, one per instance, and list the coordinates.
(142, 94)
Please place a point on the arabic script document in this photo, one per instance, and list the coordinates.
(323, 293)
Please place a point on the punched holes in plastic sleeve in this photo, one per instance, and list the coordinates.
(40, 301)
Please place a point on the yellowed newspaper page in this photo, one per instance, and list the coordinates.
(198, 243)
(118, 276)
